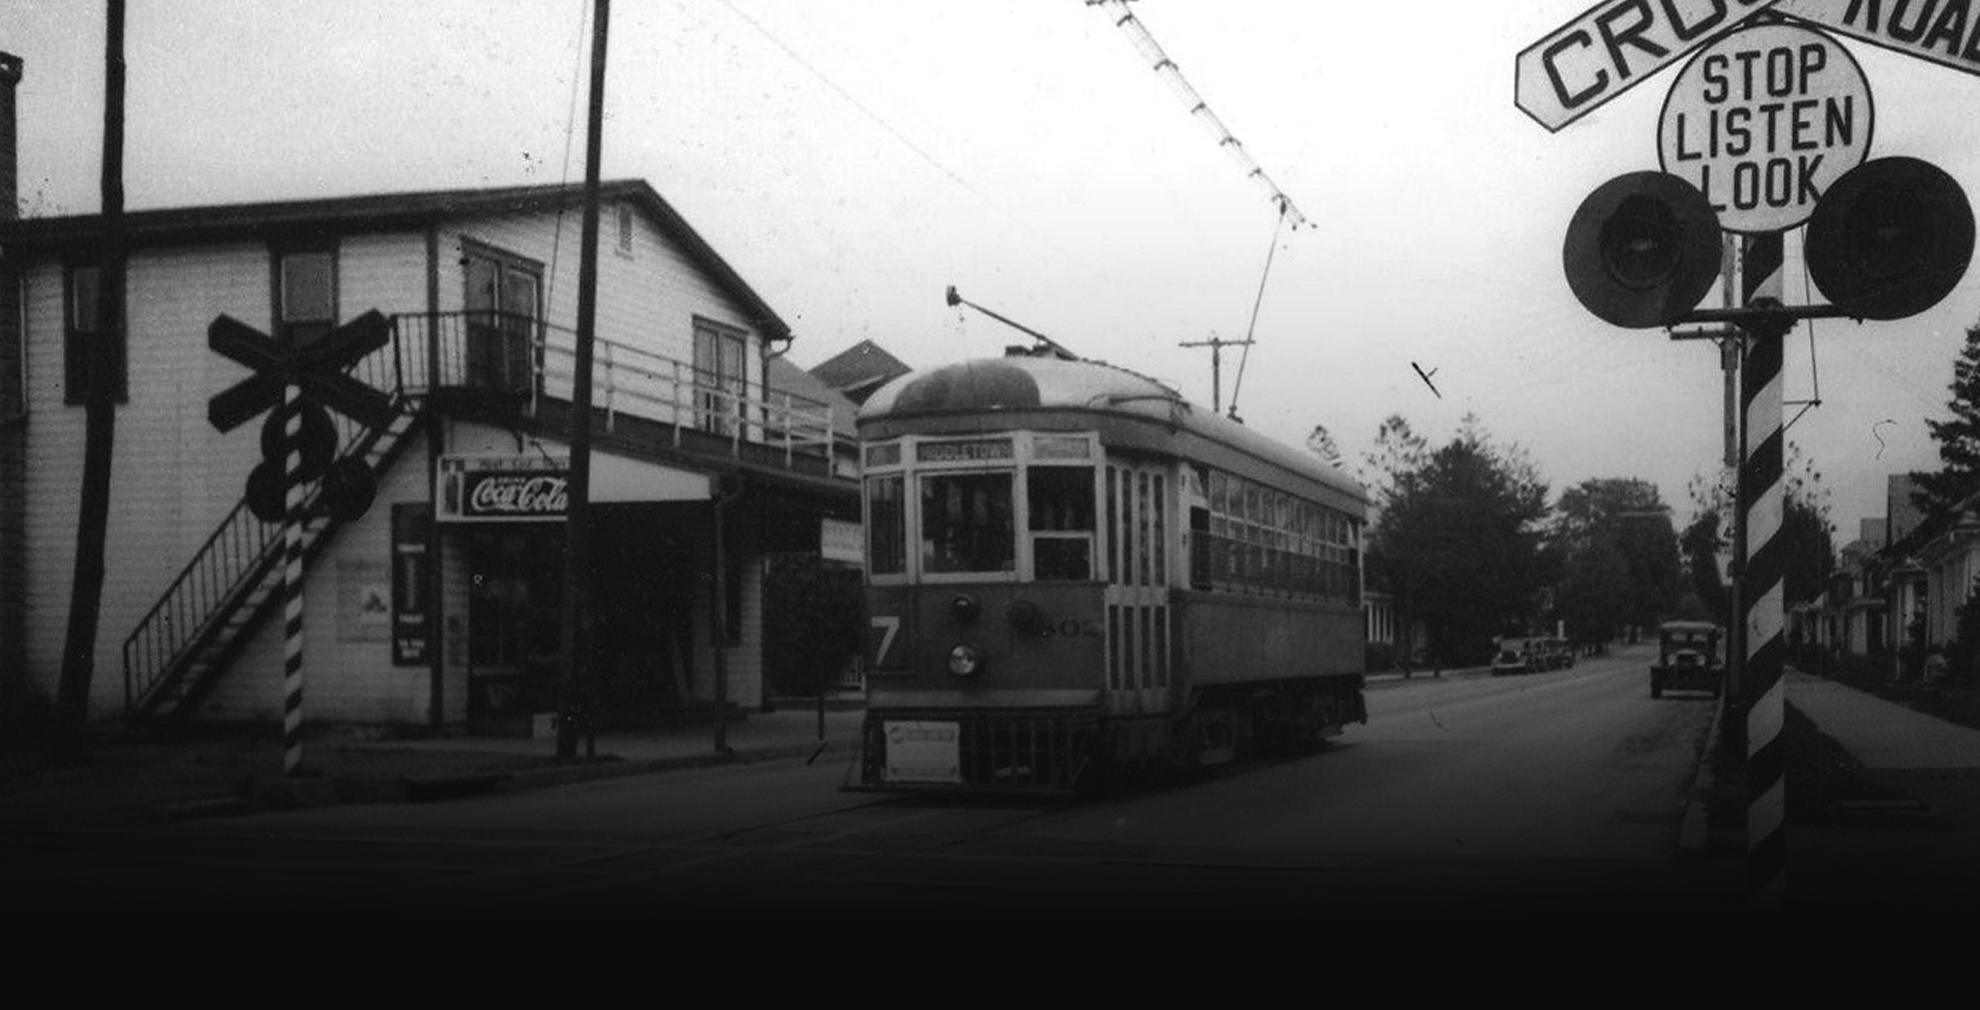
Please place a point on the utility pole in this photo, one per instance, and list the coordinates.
(1217, 345)
(577, 694)
(100, 411)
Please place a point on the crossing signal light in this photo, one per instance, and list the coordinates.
(1643, 249)
(1889, 239)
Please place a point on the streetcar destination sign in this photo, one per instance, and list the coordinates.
(1612, 47)
(1763, 121)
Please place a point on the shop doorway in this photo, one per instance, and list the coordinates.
(515, 595)
(643, 631)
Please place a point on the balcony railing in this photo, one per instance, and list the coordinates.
(525, 362)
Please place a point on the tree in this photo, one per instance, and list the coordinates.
(1618, 555)
(1959, 437)
(1322, 443)
(1806, 539)
(1459, 536)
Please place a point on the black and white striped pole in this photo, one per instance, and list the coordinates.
(1762, 509)
(292, 580)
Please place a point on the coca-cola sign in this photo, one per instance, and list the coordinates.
(502, 488)
(512, 495)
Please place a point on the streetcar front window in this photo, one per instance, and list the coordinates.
(968, 523)
(1062, 527)
(886, 526)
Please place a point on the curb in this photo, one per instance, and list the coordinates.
(263, 795)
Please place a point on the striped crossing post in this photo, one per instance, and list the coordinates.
(1762, 508)
(292, 582)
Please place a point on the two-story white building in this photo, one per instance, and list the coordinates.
(440, 604)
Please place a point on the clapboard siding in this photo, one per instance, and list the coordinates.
(175, 478)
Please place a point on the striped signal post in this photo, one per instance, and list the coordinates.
(292, 581)
(1762, 507)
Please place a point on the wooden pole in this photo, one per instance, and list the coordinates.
(576, 694)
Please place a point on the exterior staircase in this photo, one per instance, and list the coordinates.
(180, 648)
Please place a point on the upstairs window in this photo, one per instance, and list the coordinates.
(82, 329)
(721, 377)
(306, 296)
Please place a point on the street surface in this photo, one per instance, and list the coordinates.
(1548, 792)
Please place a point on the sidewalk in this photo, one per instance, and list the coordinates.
(122, 781)
(1897, 833)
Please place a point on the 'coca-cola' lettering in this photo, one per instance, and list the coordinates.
(517, 495)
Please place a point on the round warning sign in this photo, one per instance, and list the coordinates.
(1763, 121)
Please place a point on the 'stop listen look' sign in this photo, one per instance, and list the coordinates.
(1763, 122)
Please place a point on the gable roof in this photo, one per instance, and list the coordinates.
(785, 377)
(860, 369)
(386, 212)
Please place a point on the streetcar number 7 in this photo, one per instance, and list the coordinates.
(889, 626)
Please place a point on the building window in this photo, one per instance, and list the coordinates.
(721, 378)
(82, 330)
(305, 295)
(503, 312)
(625, 228)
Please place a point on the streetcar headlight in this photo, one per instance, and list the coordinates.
(965, 608)
(964, 661)
(1025, 615)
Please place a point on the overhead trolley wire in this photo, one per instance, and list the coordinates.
(1199, 110)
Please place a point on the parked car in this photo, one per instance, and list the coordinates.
(1514, 656)
(1687, 659)
(1557, 653)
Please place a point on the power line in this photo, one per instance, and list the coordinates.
(1199, 110)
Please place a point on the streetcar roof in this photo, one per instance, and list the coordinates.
(1024, 391)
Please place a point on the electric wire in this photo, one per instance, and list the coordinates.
(564, 172)
(1199, 110)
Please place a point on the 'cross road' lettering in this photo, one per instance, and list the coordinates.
(1612, 46)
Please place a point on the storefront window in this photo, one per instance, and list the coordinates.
(967, 523)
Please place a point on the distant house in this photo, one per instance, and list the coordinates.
(859, 370)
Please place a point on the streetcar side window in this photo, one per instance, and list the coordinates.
(1062, 514)
(967, 523)
(886, 526)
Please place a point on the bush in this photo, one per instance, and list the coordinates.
(1379, 656)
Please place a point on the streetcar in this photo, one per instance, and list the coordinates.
(1073, 572)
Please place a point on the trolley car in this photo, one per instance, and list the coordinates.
(1072, 570)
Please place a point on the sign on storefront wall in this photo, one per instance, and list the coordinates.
(411, 630)
(523, 488)
(839, 540)
(364, 611)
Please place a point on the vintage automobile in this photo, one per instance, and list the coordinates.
(1553, 653)
(1513, 656)
(1687, 659)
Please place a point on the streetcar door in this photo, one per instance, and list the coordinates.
(1138, 533)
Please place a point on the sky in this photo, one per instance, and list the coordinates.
(852, 160)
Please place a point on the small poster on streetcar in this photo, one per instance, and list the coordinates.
(924, 751)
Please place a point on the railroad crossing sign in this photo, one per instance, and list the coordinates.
(318, 369)
(1945, 33)
(1614, 45)
(1610, 48)
(1763, 121)
(294, 385)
